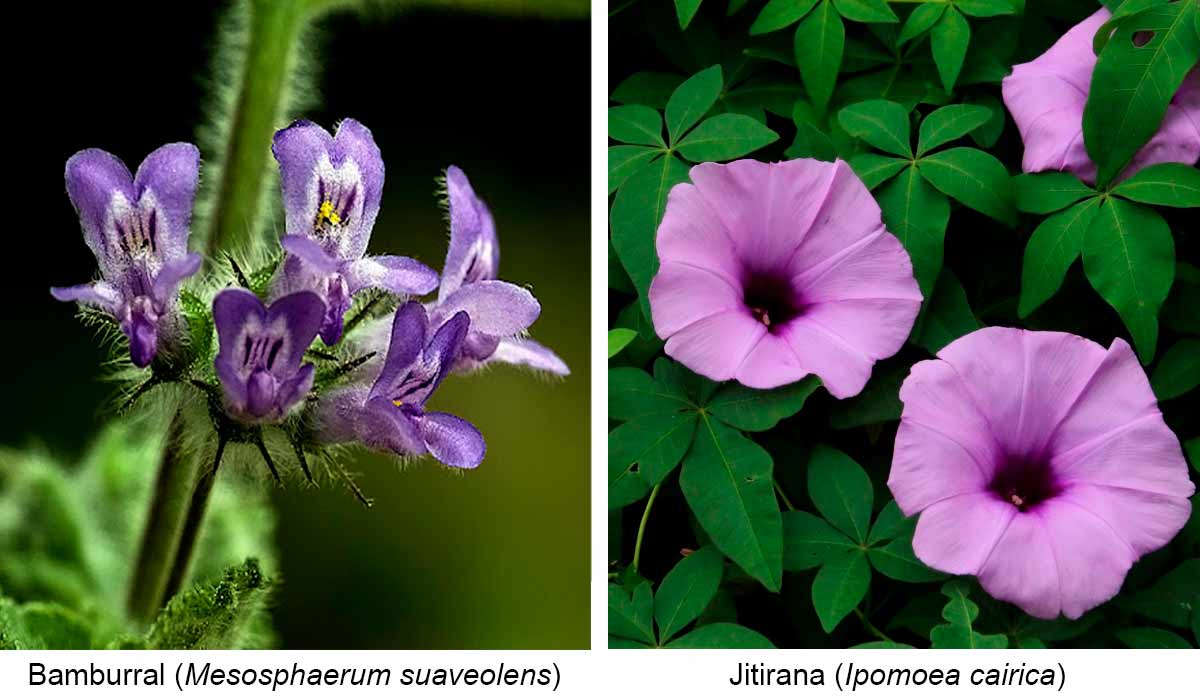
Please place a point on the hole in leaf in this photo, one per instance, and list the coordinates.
(1143, 37)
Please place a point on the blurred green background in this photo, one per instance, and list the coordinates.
(495, 558)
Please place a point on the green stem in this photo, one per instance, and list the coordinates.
(637, 547)
(160, 538)
(783, 496)
(191, 526)
(866, 622)
(256, 110)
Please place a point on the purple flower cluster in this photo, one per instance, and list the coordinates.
(137, 226)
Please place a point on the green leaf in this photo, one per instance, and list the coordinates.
(727, 482)
(214, 615)
(1151, 638)
(1165, 184)
(945, 124)
(889, 524)
(866, 10)
(636, 211)
(986, 8)
(1178, 372)
(1043, 193)
(1171, 599)
(778, 14)
(1129, 257)
(635, 124)
(1196, 621)
(757, 409)
(974, 178)
(897, 561)
(874, 169)
(818, 45)
(687, 590)
(654, 445)
(921, 20)
(839, 587)
(1123, 9)
(722, 635)
(685, 10)
(43, 625)
(1192, 448)
(949, 39)
(692, 100)
(917, 214)
(809, 541)
(841, 491)
(960, 614)
(1132, 85)
(881, 645)
(618, 338)
(650, 88)
(631, 617)
(1052, 249)
(881, 123)
(725, 137)
(946, 317)
(988, 134)
(878, 402)
(624, 161)
(632, 393)
(626, 484)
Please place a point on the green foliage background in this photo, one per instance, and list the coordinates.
(743, 518)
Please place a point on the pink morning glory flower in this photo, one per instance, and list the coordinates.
(773, 271)
(1046, 97)
(1039, 462)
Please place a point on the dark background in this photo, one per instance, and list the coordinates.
(493, 558)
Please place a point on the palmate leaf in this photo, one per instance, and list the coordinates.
(654, 444)
(839, 587)
(757, 409)
(686, 590)
(890, 548)
(631, 616)
(946, 316)
(866, 10)
(960, 614)
(1164, 184)
(1052, 249)
(818, 44)
(1044, 193)
(841, 491)
(777, 14)
(722, 635)
(809, 541)
(1152, 638)
(874, 169)
(725, 137)
(727, 482)
(686, 10)
(975, 178)
(881, 123)
(635, 124)
(1178, 372)
(948, 123)
(636, 212)
(1133, 83)
(624, 161)
(1129, 257)
(949, 39)
(917, 214)
(692, 100)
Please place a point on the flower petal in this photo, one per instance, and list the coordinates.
(843, 368)
(843, 220)
(93, 177)
(297, 148)
(496, 308)
(1091, 559)
(1144, 521)
(474, 252)
(293, 389)
(170, 174)
(232, 308)
(405, 343)
(691, 233)
(681, 294)
(529, 353)
(874, 267)
(957, 534)
(1022, 568)
(354, 142)
(172, 274)
(302, 313)
(452, 440)
(770, 363)
(392, 273)
(716, 346)
(311, 253)
(100, 294)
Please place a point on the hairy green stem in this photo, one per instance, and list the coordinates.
(160, 538)
(255, 111)
(637, 547)
(191, 526)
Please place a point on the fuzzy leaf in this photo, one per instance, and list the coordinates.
(214, 615)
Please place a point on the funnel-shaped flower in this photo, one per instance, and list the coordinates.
(500, 312)
(770, 272)
(332, 186)
(1039, 462)
(391, 414)
(137, 227)
(261, 349)
(1046, 97)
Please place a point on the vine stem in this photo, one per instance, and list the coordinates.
(782, 495)
(172, 497)
(191, 525)
(637, 547)
(870, 627)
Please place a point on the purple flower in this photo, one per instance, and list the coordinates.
(332, 186)
(500, 312)
(260, 352)
(391, 414)
(771, 272)
(1040, 463)
(1046, 97)
(137, 227)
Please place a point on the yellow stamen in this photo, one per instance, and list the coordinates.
(397, 403)
(326, 213)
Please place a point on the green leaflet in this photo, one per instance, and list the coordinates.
(917, 214)
(949, 39)
(973, 177)
(1152, 638)
(686, 10)
(874, 169)
(841, 490)
(1165, 184)
(948, 123)
(635, 124)
(777, 14)
(1129, 258)
(819, 42)
(692, 100)
(686, 590)
(1132, 85)
(634, 217)
(1178, 372)
(624, 161)
(756, 409)
(921, 20)
(727, 482)
(722, 635)
(725, 137)
(618, 338)
(960, 614)
(946, 316)
(881, 123)
(866, 10)
(1053, 247)
(809, 541)
(1044, 193)
(630, 616)
(839, 587)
